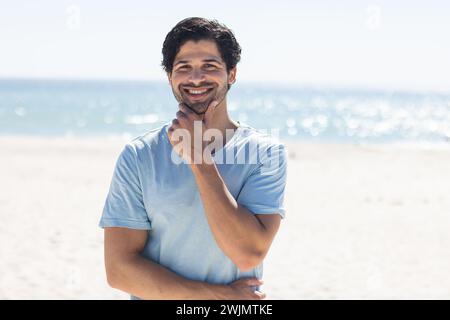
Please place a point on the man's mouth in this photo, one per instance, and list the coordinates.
(197, 93)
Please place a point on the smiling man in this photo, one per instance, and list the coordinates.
(181, 222)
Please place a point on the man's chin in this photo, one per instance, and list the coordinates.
(198, 108)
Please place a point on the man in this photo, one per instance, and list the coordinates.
(181, 223)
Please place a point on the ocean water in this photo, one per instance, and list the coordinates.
(93, 108)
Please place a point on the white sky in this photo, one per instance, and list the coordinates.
(371, 44)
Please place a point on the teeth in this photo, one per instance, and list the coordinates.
(197, 91)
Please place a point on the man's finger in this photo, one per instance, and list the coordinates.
(254, 282)
(180, 114)
(185, 109)
(260, 295)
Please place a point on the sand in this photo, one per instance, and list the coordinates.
(362, 221)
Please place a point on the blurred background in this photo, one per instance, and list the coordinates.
(358, 90)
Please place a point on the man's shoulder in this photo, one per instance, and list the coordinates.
(260, 138)
(146, 146)
(153, 139)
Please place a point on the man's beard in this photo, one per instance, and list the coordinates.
(200, 107)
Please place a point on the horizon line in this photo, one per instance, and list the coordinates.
(260, 83)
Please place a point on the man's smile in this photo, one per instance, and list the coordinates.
(197, 93)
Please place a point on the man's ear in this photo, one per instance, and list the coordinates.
(232, 76)
(169, 77)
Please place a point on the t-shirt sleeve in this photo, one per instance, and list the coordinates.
(124, 205)
(263, 191)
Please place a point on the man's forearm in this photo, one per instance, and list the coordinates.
(238, 232)
(146, 279)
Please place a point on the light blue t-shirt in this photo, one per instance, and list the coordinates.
(150, 191)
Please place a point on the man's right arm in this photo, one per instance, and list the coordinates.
(128, 271)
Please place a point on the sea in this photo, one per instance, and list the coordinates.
(84, 108)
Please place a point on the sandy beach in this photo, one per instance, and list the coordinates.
(362, 221)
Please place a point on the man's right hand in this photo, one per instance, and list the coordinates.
(244, 289)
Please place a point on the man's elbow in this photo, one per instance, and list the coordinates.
(115, 275)
(112, 276)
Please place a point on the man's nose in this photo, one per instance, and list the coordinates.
(196, 77)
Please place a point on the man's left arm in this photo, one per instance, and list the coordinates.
(243, 236)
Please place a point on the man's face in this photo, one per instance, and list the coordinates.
(199, 75)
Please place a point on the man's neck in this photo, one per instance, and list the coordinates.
(223, 122)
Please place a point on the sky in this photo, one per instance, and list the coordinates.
(368, 44)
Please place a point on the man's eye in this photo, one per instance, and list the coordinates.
(210, 66)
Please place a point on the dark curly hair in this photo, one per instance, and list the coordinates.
(201, 29)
